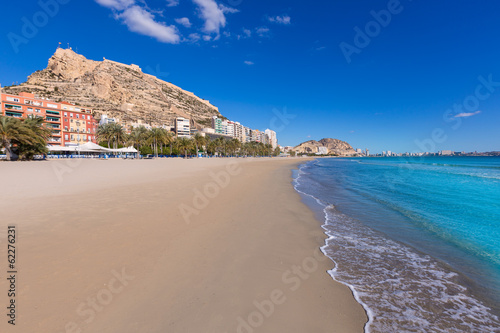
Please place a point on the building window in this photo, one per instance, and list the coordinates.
(30, 109)
(65, 114)
(66, 137)
(71, 115)
(65, 128)
(37, 110)
(72, 137)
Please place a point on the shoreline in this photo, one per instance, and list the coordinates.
(198, 246)
(319, 209)
(358, 277)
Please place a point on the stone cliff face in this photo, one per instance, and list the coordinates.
(118, 90)
(334, 146)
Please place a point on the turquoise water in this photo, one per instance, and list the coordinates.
(416, 239)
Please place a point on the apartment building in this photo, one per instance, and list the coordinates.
(70, 124)
(243, 134)
(182, 127)
(217, 125)
(239, 132)
(273, 140)
(248, 134)
(229, 126)
(79, 126)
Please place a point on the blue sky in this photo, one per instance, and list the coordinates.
(383, 75)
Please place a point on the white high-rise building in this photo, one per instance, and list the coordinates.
(239, 132)
(273, 140)
(229, 128)
(182, 127)
(264, 138)
(217, 125)
(248, 134)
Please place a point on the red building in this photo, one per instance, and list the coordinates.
(70, 124)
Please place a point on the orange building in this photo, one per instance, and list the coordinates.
(70, 124)
(79, 126)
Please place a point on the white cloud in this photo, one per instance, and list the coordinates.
(139, 18)
(249, 63)
(141, 21)
(183, 21)
(213, 14)
(262, 31)
(465, 114)
(247, 32)
(194, 37)
(284, 19)
(116, 4)
(172, 3)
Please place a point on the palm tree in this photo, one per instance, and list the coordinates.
(104, 133)
(276, 151)
(138, 137)
(268, 148)
(220, 145)
(234, 145)
(169, 140)
(184, 144)
(157, 135)
(111, 133)
(199, 141)
(211, 147)
(39, 134)
(12, 132)
(118, 134)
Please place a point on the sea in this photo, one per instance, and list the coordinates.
(416, 239)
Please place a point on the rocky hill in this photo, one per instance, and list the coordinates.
(334, 146)
(118, 90)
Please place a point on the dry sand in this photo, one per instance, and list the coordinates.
(160, 246)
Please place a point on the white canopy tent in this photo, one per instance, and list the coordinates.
(91, 147)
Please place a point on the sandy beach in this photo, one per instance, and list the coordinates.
(167, 245)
